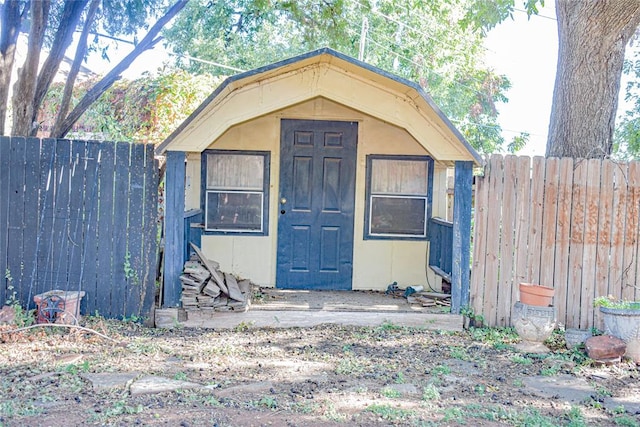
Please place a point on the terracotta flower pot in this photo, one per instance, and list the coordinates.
(531, 294)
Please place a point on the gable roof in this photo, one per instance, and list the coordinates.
(332, 75)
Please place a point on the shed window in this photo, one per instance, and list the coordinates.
(236, 191)
(399, 192)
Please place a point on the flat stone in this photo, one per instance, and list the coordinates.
(69, 359)
(255, 388)
(405, 389)
(109, 380)
(630, 403)
(152, 384)
(531, 347)
(563, 387)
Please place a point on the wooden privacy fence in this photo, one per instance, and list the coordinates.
(79, 216)
(565, 223)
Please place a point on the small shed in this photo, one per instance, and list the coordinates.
(318, 172)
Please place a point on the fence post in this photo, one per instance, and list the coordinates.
(173, 228)
(461, 235)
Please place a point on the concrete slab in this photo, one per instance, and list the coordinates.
(109, 380)
(153, 384)
(630, 403)
(310, 318)
(563, 387)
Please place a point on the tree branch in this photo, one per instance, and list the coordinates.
(148, 42)
(81, 51)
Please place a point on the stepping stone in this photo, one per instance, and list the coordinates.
(563, 387)
(405, 389)
(630, 403)
(152, 385)
(109, 380)
(251, 388)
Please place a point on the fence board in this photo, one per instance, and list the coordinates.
(578, 214)
(15, 214)
(603, 247)
(31, 218)
(476, 296)
(4, 212)
(535, 225)
(618, 226)
(563, 229)
(549, 221)
(77, 196)
(505, 283)
(150, 227)
(631, 264)
(134, 244)
(89, 258)
(492, 257)
(570, 224)
(523, 215)
(46, 215)
(119, 241)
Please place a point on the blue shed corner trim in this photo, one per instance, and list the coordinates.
(174, 242)
(461, 235)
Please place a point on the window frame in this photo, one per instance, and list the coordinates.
(265, 192)
(428, 197)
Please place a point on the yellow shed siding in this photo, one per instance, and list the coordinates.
(376, 262)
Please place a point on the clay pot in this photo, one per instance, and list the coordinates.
(538, 295)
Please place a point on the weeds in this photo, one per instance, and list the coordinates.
(389, 413)
(390, 393)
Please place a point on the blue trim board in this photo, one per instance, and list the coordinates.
(461, 235)
(173, 227)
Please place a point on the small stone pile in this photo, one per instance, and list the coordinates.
(205, 287)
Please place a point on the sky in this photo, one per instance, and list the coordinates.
(526, 51)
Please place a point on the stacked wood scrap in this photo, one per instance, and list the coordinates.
(205, 287)
(430, 299)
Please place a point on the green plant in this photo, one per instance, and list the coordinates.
(521, 360)
(390, 393)
(349, 366)
(129, 272)
(626, 421)
(22, 317)
(610, 301)
(243, 326)
(575, 417)
(389, 413)
(180, 376)
(430, 393)
(441, 370)
(475, 320)
(268, 402)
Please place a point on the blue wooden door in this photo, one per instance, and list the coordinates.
(316, 204)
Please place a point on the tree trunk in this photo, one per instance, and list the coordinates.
(11, 21)
(592, 38)
(64, 34)
(25, 87)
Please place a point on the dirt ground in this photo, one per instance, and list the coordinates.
(327, 375)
